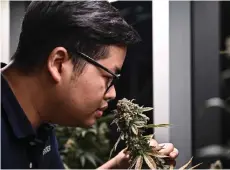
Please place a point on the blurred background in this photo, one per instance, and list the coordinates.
(188, 87)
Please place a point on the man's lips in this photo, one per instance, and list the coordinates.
(100, 111)
(103, 108)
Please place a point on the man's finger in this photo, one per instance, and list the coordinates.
(153, 143)
(174, 154)
(167, 148)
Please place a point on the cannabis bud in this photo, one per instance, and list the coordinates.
(131, 123)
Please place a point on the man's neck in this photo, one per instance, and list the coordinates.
(27, 93)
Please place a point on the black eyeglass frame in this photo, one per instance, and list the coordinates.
(94, 62)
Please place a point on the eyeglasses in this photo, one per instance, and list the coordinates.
(112, 81)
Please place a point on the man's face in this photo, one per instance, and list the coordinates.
(78, 100)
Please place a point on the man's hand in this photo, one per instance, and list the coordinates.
(168, 149)
(122, 159)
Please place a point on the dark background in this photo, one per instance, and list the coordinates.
(210, 27)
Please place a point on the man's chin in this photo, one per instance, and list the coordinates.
(84, 124)
(89, 124)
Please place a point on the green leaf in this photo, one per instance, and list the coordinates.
(195, 166)
(111, 152)
(144, 116)
(134, 129)
(122, 136)
(159, 155)
(139, 162)
(140, 126)
(115, 146)
(139, 123)
(83, 133)
(114, 121)
(65, 165)
(133, 163)
(82, 160)
(97, 159)
(90, 158)
(118, 140)
(131, 100)
(145, 109)
(149, 137)
(186, 165)
(157, 125)
(103, 128)
(93, 131)
(150, 162)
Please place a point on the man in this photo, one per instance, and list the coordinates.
(63, 72)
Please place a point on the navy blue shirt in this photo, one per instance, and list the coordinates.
(21, 146)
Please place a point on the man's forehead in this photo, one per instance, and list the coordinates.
(115, 58)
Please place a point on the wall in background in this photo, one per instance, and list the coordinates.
(5, 26)
(180, 78)
(17, 11)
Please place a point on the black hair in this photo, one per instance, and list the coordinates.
(84, 26)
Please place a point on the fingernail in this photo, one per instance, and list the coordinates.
(162, 145)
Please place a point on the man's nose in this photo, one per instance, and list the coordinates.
(111, 93)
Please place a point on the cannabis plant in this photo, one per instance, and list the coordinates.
(131, 123)
(84, 148)
(216, 165)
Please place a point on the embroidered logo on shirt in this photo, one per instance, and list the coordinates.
(47, 149)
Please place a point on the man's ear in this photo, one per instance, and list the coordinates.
(55, 62)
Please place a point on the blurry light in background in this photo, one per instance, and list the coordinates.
(112, 1)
